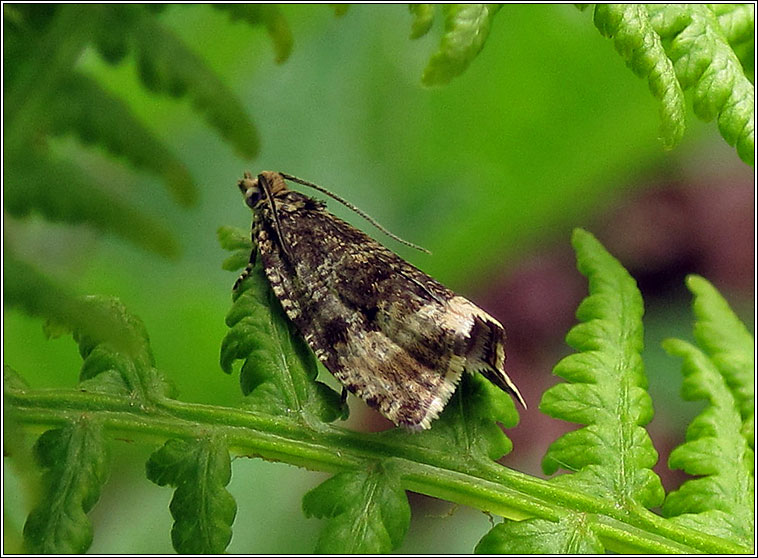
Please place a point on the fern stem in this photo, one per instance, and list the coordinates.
(486, 486)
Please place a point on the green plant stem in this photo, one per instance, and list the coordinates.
(487, 486)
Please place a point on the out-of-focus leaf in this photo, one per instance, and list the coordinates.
(60, 191)
(266, 14)
(466, 29)
(83, 107)
(423, 17)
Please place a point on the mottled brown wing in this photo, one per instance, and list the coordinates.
(389, 333)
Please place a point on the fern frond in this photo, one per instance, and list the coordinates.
(726, 341)
(704, 61)
(60, 191)
(612, 456)
(721, 500)
(43, 95)
(266, 14)
(166, 65)
(368, 512)
(75, 464)
(639, 44)
(83, 107)
(683, 46)
(125, 364)
(467, 27)
(203, 510)
(737, 21)
(113, 343)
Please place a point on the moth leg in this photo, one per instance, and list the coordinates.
(343, 395)
(248, 268)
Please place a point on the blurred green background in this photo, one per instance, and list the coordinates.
(546, 131)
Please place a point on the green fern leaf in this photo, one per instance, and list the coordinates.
(613, 454)
(467, 27)
(74, 461)
(202, 508)
(83, 107)
(368, 512)
(279, 372)
(423, 18)
(737, 21)
(30, 185)
(728, 345)
(639, 44)
(269, 15)
(570, 536)
(704, 61)
(721, 500)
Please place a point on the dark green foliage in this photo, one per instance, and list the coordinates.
(367, 510)
(74, 462)
(60, 191)
(46, 96)
(202, 509)
(83, 107)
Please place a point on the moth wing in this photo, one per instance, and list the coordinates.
(390, 333)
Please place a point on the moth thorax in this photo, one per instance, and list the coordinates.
(275, 181)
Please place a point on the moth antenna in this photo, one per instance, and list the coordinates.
(353, 208)
(270, 199)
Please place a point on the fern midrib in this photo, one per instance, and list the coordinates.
(484, 485)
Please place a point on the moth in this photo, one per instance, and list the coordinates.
(388, 332)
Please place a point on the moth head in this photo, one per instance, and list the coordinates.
(256, 190)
